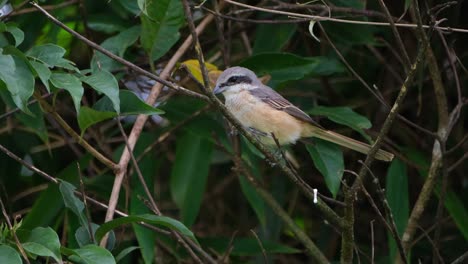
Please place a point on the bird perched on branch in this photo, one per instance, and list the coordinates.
(264, 112)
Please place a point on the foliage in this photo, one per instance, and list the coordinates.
(193, 186)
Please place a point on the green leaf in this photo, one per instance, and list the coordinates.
(70, 83)
(18, 78)
(17, 33)
(286, 66)
(396, 191)
(160, 23)
(149, 165)
(130, 104)
(83, 238)
(72, 202)
(44, 241)
(247, 246)
(328, 159)
(254, 199)
(104, 82)
(42, 72)
(36, 122)
(37, 249)
(49, 54)
(117, 44)
(89, 117)
(124, 253)
(345, 116)
(9, 255)
(189, 174)
(272, 37)
(106, 22)
(93, 254)
(163, 221)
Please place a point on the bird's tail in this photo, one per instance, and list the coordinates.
(347, 142)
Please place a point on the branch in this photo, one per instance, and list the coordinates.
(48, 108)
(328, 213)
(439, 143)
(273, 204)
(331, 19)
(347, 235)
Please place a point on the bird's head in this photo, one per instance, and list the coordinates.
(235, 79)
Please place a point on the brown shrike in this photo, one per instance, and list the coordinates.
(264, 112)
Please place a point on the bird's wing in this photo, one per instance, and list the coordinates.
(275, 100)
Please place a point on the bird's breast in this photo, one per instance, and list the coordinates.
(253, 113)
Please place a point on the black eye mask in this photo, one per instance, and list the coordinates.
(236, 80)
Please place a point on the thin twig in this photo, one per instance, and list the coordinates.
(439, 143)
(460, 259)
(13, 232)
(388, 213)
(401, 46)
(265, 258)
(86, 208)
(312, 249)
(347, 234)
(48, 108)
(331, 19)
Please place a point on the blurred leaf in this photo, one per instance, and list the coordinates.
(124, 253)
(328, 159)
(70, 83)
(117, 44)
(106, 22)
(272, 37)
(83, 238)
(130, 6)
(44, 242)
(163, 221)
(160, 23)
(453, 203)
(254, 199)
(72, 202)
(104, 82)
(9, 255)
(18, 79)
(348, 34)
(130, 104)
(149, 165)
(48, 204)
(287, 67)
(189, 174)
(407, 4)
(193, 68)
(17, 33)
(396, 191)
(349, 3)
(42, 72)
(247, 246)
(93, 254)
(36, 122)
(88, 117)
(345, 116)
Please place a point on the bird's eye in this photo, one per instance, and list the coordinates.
(233, 79)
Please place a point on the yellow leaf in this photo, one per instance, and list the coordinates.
(193, 68)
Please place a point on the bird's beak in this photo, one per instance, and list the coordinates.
(218, 89)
